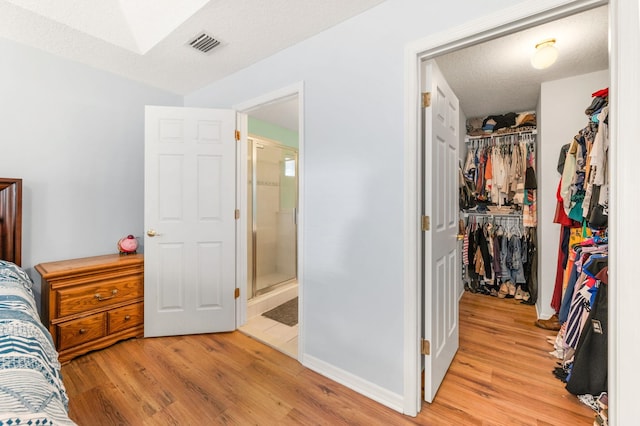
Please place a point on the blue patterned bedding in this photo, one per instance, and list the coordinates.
(31, 388)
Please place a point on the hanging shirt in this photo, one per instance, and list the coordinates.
(599, 149)
(567, 177)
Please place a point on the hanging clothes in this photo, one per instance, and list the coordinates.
(531, 267)
(498, 250)
(589, 371)
(498, 166)
(581, 292)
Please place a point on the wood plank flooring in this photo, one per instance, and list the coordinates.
(500, 376)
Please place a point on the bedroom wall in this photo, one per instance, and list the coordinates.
(75, 135)
(353, 257)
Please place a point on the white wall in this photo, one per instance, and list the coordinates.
(562, 105)
(75, 135)
(353, 187)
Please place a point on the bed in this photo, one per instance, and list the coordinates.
(31, 387)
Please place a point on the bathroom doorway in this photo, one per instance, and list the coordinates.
(272, 197)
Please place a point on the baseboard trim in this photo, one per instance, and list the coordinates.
(364, 387)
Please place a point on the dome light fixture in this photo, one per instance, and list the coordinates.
(545, 55)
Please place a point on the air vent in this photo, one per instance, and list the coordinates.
(204, 42)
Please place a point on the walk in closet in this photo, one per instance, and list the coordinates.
(500, 177)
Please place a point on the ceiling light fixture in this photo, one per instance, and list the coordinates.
(545, 55)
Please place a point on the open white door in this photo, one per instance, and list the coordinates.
(190, 171)
(441, 266)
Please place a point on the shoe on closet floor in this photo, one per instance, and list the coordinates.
(558, 353)
(519, 293)
(504, 290)
(549, 324)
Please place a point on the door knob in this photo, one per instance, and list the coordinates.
(152, 232)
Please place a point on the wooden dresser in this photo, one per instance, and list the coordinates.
(93, 302)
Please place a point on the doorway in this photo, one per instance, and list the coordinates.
(272, 198)
(425, 50)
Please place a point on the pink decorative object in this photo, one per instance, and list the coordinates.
(128, 245)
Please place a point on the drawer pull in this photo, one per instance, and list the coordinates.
(113, 294)
(82, 330)
(127, 317)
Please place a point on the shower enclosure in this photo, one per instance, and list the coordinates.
(273, 201)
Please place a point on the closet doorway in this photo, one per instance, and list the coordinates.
(440, 48)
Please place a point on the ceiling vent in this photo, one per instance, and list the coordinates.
(204, 42)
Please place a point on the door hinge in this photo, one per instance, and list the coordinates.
(425, 347)
(426, 223)
(237, 293)
(237, 135)
(237, 214)
(426, 99)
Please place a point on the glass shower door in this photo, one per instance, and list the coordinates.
(275, 199)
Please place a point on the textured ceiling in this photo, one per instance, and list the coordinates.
(146, 40)
(496, 77)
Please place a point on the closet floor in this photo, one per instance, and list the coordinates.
(503, 372)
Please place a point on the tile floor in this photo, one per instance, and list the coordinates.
(277, 335)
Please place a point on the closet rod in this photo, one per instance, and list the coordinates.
(497, 135)
(513, 215)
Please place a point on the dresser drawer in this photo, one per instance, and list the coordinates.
(77, 332)
(126, 317)
(98, 295)
(91, 303)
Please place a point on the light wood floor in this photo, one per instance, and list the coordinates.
(500, 376)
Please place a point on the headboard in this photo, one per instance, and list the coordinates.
(11, 220)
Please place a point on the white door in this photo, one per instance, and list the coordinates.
(440, 162)
(189, 250)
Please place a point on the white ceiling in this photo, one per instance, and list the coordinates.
(147, 41)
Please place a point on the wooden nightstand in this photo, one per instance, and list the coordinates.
(93, 302)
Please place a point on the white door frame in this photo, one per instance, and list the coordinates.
(506, 21)
(243, 109)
